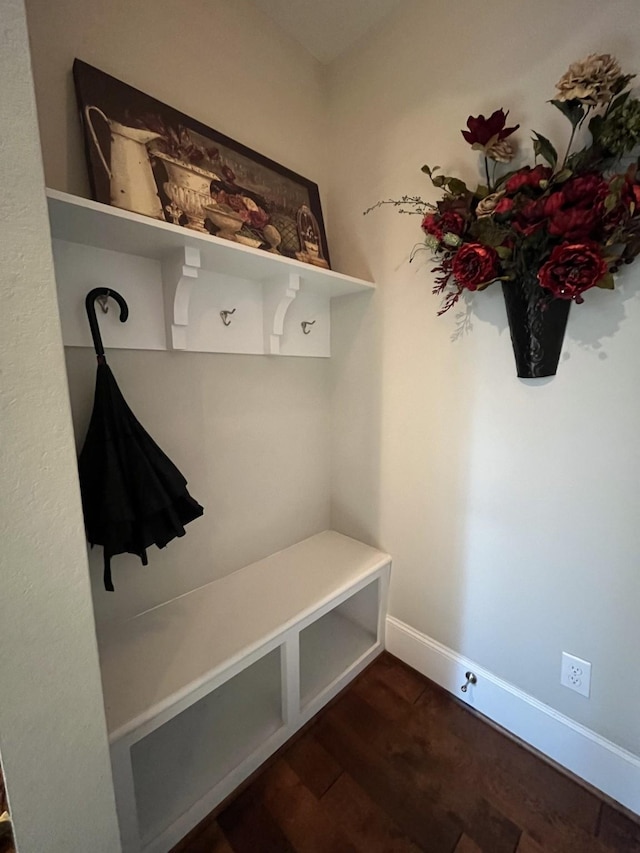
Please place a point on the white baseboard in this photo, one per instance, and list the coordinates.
(598, 761)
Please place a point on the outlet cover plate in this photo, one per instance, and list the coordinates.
(576, 674)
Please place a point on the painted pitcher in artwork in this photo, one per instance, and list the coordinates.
(132, 184)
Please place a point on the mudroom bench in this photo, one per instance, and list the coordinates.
(199, 691)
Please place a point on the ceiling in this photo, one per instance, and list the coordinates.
(326, 27)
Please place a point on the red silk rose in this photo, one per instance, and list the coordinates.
(585, 190)
(505, 205)
(430, 225)
(571, 269)
(576, 223)
(474, 264)
(527, 177)
(483, 130)
(440, 224)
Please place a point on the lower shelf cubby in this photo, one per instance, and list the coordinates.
(335, 642)
(181, 761)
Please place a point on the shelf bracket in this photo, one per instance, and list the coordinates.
(179, 273)
(278, 296)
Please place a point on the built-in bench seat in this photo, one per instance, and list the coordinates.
(199, 691)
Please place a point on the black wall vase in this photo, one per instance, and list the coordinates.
(537, 327)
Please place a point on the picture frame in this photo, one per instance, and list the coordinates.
(147, 157)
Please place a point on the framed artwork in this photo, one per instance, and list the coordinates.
(149, 158)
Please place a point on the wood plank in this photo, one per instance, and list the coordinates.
(250, 827)
(385, 782)
(528, 791)
(529, 845)
(438, 768)
(619, 831)
(207, 839)
(364, 823)
(468, 845)
(403, 680)
(302, 819)
(313, 764)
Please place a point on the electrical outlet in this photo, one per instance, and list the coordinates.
(576, 674)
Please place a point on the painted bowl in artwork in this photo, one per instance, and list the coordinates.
(227, 221)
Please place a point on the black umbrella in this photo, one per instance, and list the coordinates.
(133, 496)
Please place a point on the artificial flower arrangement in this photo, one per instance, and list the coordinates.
(548, 231)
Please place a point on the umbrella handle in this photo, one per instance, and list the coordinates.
(89, 303)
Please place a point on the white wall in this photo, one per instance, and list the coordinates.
(249, 433)
(510, 506)
(52, 730)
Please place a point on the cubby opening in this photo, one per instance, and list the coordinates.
(335, 642)
(181, 761)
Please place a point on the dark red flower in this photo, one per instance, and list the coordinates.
(452, 223)
(505, 205)
(571, 269)
(483, 130)
(553, 203)
(430, 225)
(584, 190)
(574, 223)
(440, 224)
(528, 177)
(475, 264)
(533, 211)
(527, 230)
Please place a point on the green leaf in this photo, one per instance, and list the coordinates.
(488, 232)
(543, 148)
(562, 176)
(438, 181)
(573, 110)
(606, 282)
(429, 170)
(622, 83)
(482, 191)
(503, 252)
(596, 126)
(618, 102)
(456, 186)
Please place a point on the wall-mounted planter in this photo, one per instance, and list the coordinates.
(537, 327)
(187, 291)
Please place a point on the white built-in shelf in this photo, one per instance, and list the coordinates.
(261, 286)
(199, 691)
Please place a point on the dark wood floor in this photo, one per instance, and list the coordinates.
(397, 765)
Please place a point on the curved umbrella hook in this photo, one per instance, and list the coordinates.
(89, 303)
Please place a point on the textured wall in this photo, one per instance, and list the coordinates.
(510, 506)
(52, 731)
(249, 433)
